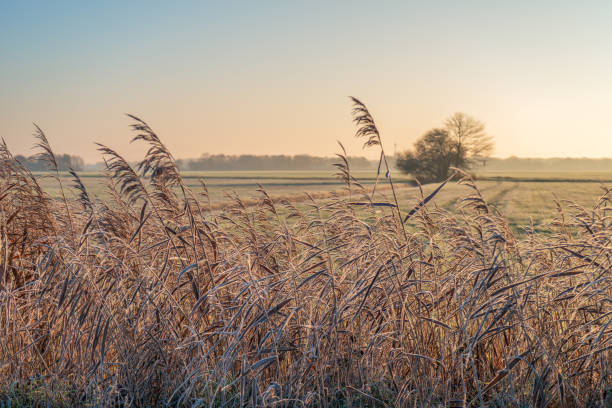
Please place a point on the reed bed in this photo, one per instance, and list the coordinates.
(154, 298)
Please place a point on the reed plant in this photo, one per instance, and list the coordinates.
(152, 297)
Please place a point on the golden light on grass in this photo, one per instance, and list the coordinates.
(151, 297)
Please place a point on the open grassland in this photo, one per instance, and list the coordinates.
(152, 295)
(221, 183)
(527, 200)
(544, 176)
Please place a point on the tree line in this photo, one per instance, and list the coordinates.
(64, 162)
(553, 164)
(249, 162)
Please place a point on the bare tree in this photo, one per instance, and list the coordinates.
(472, 142)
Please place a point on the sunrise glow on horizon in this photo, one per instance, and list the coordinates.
(274, 77)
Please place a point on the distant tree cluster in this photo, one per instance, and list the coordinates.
(553, 164)
(64, 162)
(461, 143)
(249, 162)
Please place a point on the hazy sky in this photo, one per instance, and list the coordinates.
(268, 77)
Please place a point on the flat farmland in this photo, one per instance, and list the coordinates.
(523, 198)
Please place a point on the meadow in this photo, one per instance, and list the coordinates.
(527, 200)
(145, 288)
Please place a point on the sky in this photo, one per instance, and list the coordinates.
(263, 77)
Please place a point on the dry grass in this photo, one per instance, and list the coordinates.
(150, 298)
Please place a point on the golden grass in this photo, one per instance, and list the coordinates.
(150, 298)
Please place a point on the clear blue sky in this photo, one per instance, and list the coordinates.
(273, 77)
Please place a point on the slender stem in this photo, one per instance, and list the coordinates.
(397, 207)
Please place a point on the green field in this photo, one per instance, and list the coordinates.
(524, 198)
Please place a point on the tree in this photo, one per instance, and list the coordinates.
(462, 143)
(433, 155)
(472, 142)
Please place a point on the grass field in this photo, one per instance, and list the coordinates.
(525, 199)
